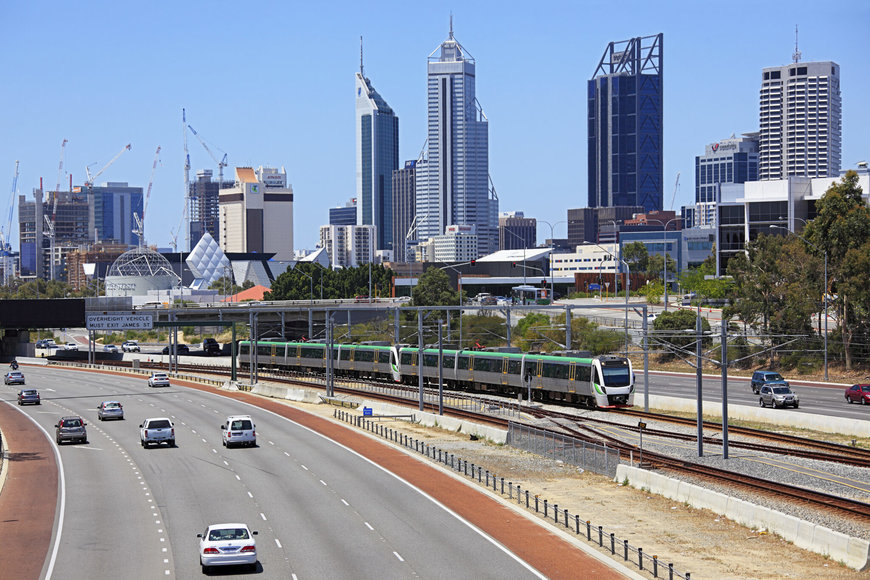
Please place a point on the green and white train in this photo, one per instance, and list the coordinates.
(601, 381)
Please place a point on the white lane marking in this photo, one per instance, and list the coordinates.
(166, 572)
(305, 468)
(271, 442)
(165, 560)
(250, 495)
(277, 542)
(323, 482)
(369, 526)
(225, 463)
(213, 450)
(287, 454)
(344, 501)
(239, 478)
(193, 431)
(204, 441)
(89, 447)
(396, 554)
(262, 515)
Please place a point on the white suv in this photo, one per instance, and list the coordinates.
(239, 430)
(130, 346)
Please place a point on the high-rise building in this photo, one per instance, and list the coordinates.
(800, 119)
(515, 231)
(404, 205)
(256, 214)
(348, 246)
(452, 185)
(457, 244)
(625, 132)
(343, 216)
(377, 156)
(205, 206)
(733, 160)
(112, 206)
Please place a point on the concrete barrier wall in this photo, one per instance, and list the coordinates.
(853, 552)
(453, 424)
(822, 423)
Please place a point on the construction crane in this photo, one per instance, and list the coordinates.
(6, 249)
(50, 222)
(220, 163)
(676, 186)
(140, 222)
(92, 178)
(184, 223)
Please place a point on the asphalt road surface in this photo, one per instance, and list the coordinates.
(322, 510)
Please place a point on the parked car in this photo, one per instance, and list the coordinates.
(858, 394)
(110, 410)
(111, 348)
(211, 347)
(28, 397)
(227, 545)
(14, 378)
(131, 346)
(158, 380)
(239, 430)
(71, 429)
(156, 431)
(182, 349)
(778, 396)
(71, 346)
(760, 378)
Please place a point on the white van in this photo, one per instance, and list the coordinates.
(239, 430)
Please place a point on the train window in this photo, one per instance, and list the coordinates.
(244, 348)
(364, 356)
(554, 370)
(344, 354)
(463, 362)
(430, 360)
(311, 352)
(448, 361)
(264, 349)
(514, 366)
(384, 357)
(582, 373)
(616, 376)
(407, 358)
(484, 365)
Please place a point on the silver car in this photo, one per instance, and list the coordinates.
(158, 380)
(778, 396)
(110, 410)
(71, 429)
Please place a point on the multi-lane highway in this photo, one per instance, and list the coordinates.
(321, 509)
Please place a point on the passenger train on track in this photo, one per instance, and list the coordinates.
(601, 381)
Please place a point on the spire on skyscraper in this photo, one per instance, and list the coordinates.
(796, 57)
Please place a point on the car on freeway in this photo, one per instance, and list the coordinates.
(778, 396)
(44, 342)
(111, 348)
(14, 378)
(182, 349)
(227, 545)
(71, 429)
(158, 380)
(110, 410)
(28, 397)
(761, 378)
(211, 347)
(131, 346)
(71, 346)
(156, 431)
(53, 348)
(858, 394)
(239, 430)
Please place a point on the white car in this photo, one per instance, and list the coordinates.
(158, 380)
(130, 346)
(227, 545)
(239, 430)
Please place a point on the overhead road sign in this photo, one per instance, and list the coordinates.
(119, 321)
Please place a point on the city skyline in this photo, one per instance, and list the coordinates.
(265, 100)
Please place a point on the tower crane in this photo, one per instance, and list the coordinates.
(676, 186)
(50, 222)
(223, 161)
(6, 248)
(184, 223)
(92, 178)
(140, 222)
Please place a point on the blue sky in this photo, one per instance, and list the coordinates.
(271, 83)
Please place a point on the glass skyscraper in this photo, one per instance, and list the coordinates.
(377, 156)
(625, 153)
(452, 181)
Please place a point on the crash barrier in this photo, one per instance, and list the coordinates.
(550, 512)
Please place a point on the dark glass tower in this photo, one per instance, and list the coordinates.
(625, 99)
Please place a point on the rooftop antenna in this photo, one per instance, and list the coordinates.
(796, 57)
(451, 26)
(361, 72)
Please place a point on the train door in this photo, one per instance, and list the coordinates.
(273, 354)
(572, 374)
(504, 370)
(470, 367)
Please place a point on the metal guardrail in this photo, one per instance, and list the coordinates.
(523, 497)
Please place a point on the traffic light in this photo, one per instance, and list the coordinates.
(473, 262)
(513, 264)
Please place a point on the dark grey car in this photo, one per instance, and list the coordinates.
(71, 429)
(761, 378)
(28, 397)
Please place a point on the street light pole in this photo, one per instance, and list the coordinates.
(824, 290)
(552, 252)
(665, 250)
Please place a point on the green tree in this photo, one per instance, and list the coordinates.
(433, 289)
(637, 256)
(671, 332)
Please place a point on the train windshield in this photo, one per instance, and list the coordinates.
(616, 376)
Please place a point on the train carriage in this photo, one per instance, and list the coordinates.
(603, 381)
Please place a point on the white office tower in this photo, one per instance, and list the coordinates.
(452, 181)
(348, 246)
(800, 120)
(256, 214)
